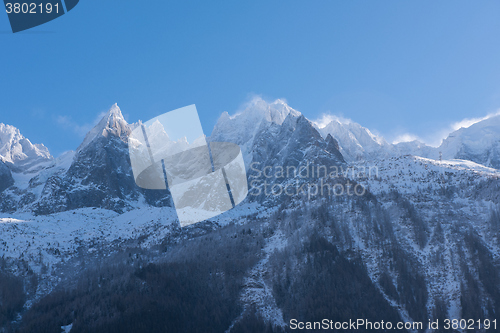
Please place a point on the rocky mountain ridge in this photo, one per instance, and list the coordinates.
(422, 237)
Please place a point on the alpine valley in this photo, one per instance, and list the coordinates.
(403, 232)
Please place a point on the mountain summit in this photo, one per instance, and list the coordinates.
(18, 151)
(479, 142)
(243, 127)
(112, 123)
(356, 142)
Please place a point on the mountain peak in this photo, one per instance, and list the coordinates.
(274, 112)
(241, 127)
(115, 111)
(17, 150)
(355, 141)
(479, 142)
(112, 124)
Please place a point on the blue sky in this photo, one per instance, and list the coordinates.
(393, 66)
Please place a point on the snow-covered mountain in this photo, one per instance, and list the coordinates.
(275, 137)
(98, 174)
(111, 124)
(422, 238)
(479, 143)
(415, 148)
(18, 151)
(243, 127)
(269, 134)
(356, 142)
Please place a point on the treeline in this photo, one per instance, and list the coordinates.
(196, 289)
(480, 294)
(252, 322)
(323, 249)
(317, 282)
(12, 298)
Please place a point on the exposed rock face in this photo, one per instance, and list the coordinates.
(333, 147)
(355, 141)
(98, 174)
(111, 125)
(277, 142)
(6, 179)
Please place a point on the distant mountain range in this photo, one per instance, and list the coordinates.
(98, 173)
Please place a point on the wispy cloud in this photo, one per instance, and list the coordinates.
(327, 118)
(406, 137)
(252, 99)
(468, 122)
(434, 139)
(437, 138)
(66, 122)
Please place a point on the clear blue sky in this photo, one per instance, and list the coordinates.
(392, 66)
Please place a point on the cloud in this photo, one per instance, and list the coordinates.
(327, 118)
(437, 138)
(468, 122)
(256, 100)
(68, 123)
(434, 139)
(253, 99)
(406, 137)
